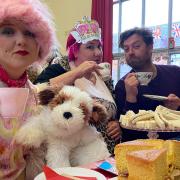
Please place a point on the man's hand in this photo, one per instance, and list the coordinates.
(173, 102)
(114, 130)
(131, 84)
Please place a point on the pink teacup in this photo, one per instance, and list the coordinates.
(13, 101)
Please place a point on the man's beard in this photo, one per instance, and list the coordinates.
(138, 64)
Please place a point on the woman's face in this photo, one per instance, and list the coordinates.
(18, 47)
(91, 51)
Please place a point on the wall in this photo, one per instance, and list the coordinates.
(66, 13)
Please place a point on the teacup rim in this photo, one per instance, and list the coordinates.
(148, 72)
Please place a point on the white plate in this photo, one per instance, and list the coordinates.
(114, 178)
(155, 97)
(74, 171)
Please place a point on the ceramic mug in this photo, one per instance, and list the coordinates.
(144, 77)
(105, 71)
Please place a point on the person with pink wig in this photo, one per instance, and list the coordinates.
(85, 54)
(27, 34)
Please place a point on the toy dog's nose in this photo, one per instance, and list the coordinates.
(67, 115)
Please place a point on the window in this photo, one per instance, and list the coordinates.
(153, 14)
(129, 17)
(176, 22)
(115, 71)
(156, 18)
(124, 69)
(115, 27)
(175, 59)
(131, 14)
(157, 15)
(156, 12)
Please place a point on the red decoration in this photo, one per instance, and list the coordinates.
(171, 43)
(102, 12)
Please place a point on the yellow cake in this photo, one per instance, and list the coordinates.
(159, 143)
(173, 155)
(147, 164)
(122, 149)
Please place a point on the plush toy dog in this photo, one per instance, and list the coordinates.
(63, 124)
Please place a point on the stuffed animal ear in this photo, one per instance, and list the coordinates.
(99, 113)
(85, 111)
(46, 96)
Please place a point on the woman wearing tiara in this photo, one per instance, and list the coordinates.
(84, 54)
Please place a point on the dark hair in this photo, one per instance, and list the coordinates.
(145, 33)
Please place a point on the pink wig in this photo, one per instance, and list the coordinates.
(72, 46)
(36, 17)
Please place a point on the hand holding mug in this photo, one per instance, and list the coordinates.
(131, 84)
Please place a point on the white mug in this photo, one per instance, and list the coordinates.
(105, 71)
(144, 77)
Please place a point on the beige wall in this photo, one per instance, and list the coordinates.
(66, 13)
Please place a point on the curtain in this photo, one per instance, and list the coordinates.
(102, 12)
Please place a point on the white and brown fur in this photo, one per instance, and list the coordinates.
(63, 124)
